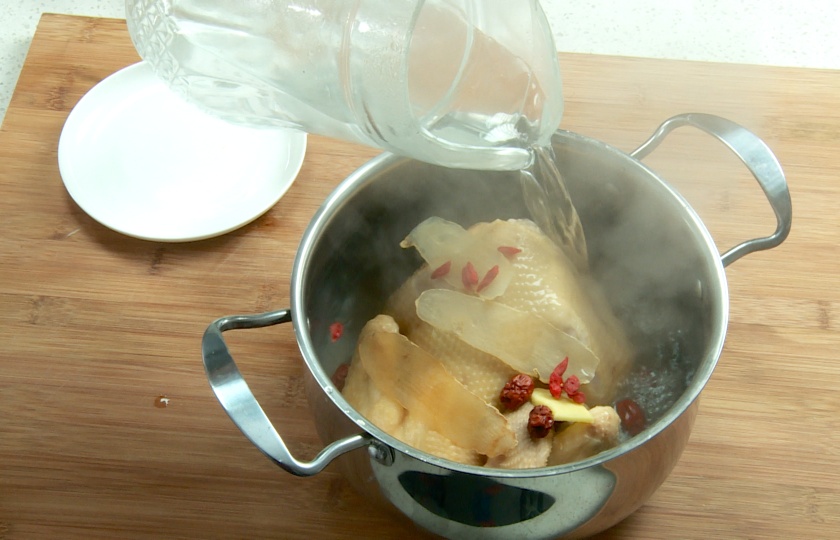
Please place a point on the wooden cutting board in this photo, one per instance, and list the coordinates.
(109, 428)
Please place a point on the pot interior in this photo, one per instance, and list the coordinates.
(648, 250)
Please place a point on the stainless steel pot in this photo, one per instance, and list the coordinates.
(648, 249)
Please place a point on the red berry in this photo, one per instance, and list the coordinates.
(632, 416)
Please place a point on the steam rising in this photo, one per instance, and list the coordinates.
(643, 250)
(643, 285)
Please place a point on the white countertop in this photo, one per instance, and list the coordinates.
(770, 32)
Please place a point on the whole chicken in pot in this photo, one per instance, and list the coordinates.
(494, 302)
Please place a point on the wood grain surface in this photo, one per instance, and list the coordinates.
(96, 328)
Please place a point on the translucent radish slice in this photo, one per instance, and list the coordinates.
(465, 261)
(524, 341)
(404, 372)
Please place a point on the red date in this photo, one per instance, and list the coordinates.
(516, 391)
(340, 376)
(632, 416)
(540, 422)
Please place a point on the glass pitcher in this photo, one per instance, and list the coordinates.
(461, 83)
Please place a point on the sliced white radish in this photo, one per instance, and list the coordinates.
(404, 372)
(464, 260)
(524, 341)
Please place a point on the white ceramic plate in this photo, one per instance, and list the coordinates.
(144, 162)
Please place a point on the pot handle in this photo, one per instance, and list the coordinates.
(758, 158)
(239, 402)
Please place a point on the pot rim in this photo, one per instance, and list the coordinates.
(364, 175)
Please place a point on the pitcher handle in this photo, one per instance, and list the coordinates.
(758, 158)
(240, 404)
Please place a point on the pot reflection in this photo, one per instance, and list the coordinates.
(474, 500)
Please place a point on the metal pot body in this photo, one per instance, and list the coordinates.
(649, 251)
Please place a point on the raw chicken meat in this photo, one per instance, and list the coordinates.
(409, 394)
(544, 282)
(426, 386)
(529, 453)
(580, 441)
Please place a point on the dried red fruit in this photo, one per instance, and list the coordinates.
(336, 330)
(488, 278)
(441, 270)
(540, 422)
(469, 276)
(632, 416)
(555, 380)
(340, 376)
(578, 397)
(572, 385)
(572, 389)
(509, 251)
(516, 391)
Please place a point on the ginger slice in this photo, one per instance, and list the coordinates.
(562, 409)
(407, 374)
(524, 341)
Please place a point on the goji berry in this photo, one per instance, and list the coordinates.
(488, 278)
(509, 251)
(555, 381)
(441, 270)
(572, 385)
(578, 397)
(336, 330)
(469, 276)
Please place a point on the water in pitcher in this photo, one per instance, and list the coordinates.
(460, 83)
